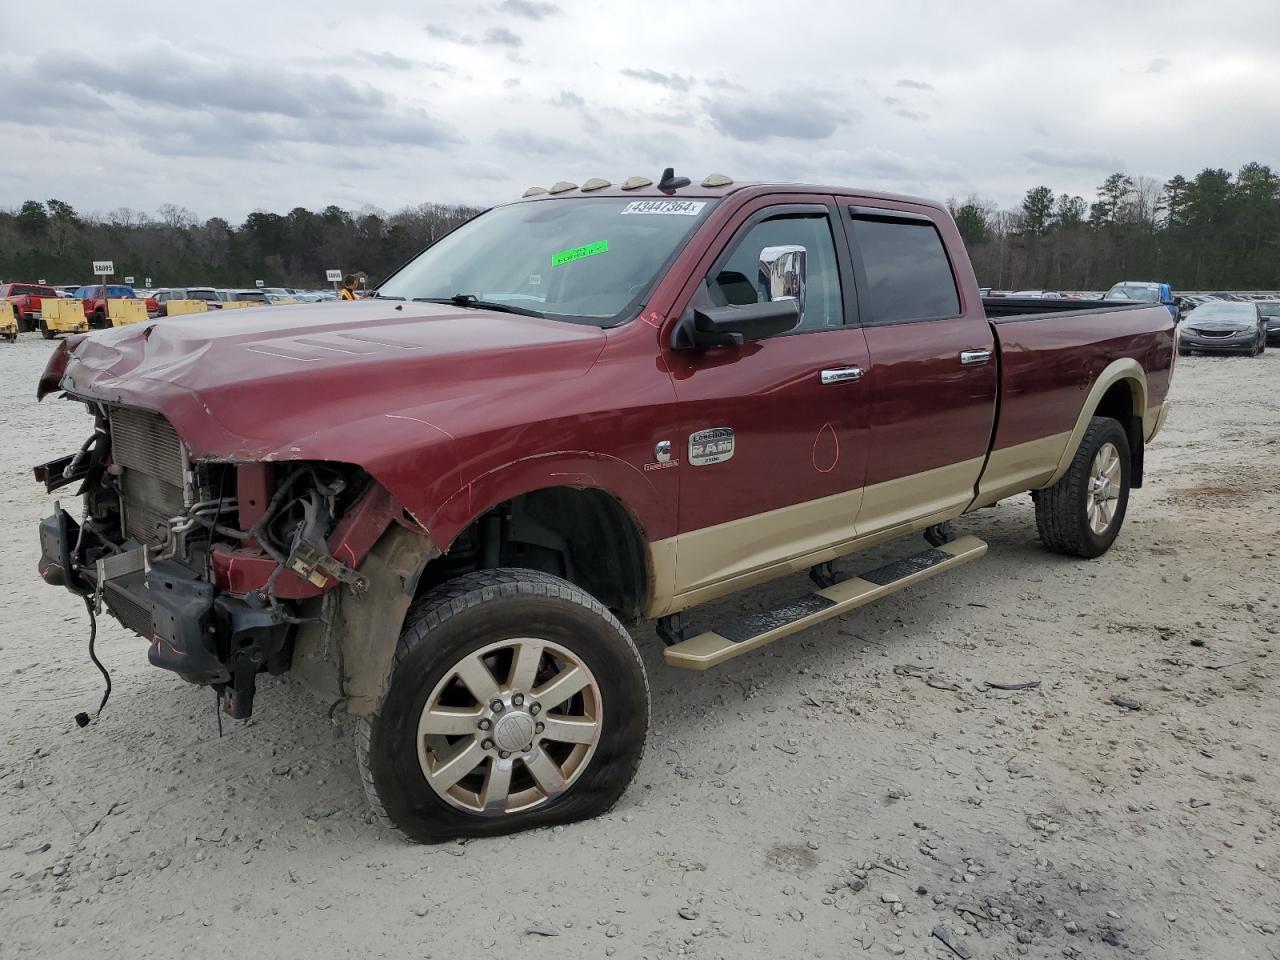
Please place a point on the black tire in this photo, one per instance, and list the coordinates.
(1062, 510)
(1184, 352)
(465, 615)
(99, 319)
(45, 331)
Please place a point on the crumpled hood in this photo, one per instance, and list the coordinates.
(304, 381)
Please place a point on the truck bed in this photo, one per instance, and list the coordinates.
(1002, 309)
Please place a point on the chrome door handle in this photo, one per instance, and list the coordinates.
(842, 375)
(970, 357)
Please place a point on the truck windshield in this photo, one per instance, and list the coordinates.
(586, 259)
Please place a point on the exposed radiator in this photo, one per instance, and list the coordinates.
(147, 449)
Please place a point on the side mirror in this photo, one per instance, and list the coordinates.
(782, 277)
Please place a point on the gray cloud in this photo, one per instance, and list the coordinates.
(530, 9)
(672, 81)
(1159, 65)
(915, 84)
(568, 98)
(911, 114)
(798, 117)
(501, 36)
(212, 109)
(1073, 159)
(494, 36)
(388, 60)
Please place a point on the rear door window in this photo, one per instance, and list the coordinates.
(908, 274)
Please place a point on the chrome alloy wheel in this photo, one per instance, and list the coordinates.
(1104, 488)
(494, 746)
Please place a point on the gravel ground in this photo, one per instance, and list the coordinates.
(856, 788)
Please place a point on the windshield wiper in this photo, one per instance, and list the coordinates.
(382, 296)
(475, 303)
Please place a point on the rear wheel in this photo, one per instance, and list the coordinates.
(515, 700)
(100, 319)
(45, 331)
(1083, 512)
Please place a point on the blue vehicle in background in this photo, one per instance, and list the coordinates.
(1145, 291)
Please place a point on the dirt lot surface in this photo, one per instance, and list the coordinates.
(844, 793)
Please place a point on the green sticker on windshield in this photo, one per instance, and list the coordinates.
(579, 253)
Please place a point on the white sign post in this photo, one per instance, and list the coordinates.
(129, 281)
(148, 284)
(334, 277)
(104, 269)
(259, 284)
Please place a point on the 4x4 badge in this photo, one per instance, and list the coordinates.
(710, 446)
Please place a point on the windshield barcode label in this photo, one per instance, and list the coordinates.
(683, 208)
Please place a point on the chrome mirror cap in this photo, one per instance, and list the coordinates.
(784, 272)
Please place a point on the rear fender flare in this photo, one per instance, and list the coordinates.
(1125, 368)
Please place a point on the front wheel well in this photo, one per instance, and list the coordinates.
(585, 536)
(1122, 403)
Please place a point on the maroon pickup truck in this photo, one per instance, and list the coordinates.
(594, 405)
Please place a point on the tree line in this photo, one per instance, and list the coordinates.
(51, 241)
(1214, 231)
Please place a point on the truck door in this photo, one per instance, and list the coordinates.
(773, 440)
(933, 376)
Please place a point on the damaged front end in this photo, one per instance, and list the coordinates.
(218, 564)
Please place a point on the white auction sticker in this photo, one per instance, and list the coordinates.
(683, 208)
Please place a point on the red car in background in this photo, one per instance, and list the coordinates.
(28, 302)
(95, 305)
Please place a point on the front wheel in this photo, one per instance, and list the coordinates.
(515, 700)
(1083, 512)
(45, 331)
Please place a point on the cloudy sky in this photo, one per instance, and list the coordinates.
(227, 106)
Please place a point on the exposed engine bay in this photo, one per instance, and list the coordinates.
(210, 561)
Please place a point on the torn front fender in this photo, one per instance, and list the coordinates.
(346, 654)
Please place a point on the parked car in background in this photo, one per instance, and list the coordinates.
(28, 302)
(209, 294)
(1144, 291)
(95, 305)
(1224, 326)
(1270, 310)
(243, 296)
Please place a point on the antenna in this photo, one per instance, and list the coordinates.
(670, 181)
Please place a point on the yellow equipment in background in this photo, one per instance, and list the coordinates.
(63, 316)
(238, 304)
(177, 308)
(8, 321)
(126, 310)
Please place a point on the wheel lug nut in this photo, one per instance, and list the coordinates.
(486, 745)
(503, 755)
(529, 748)
(538, 728)
(518, 699)
(496, 706)
(486, 723)
(535, 708)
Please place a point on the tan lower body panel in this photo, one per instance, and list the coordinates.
(713, 648)
(1022, 467)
